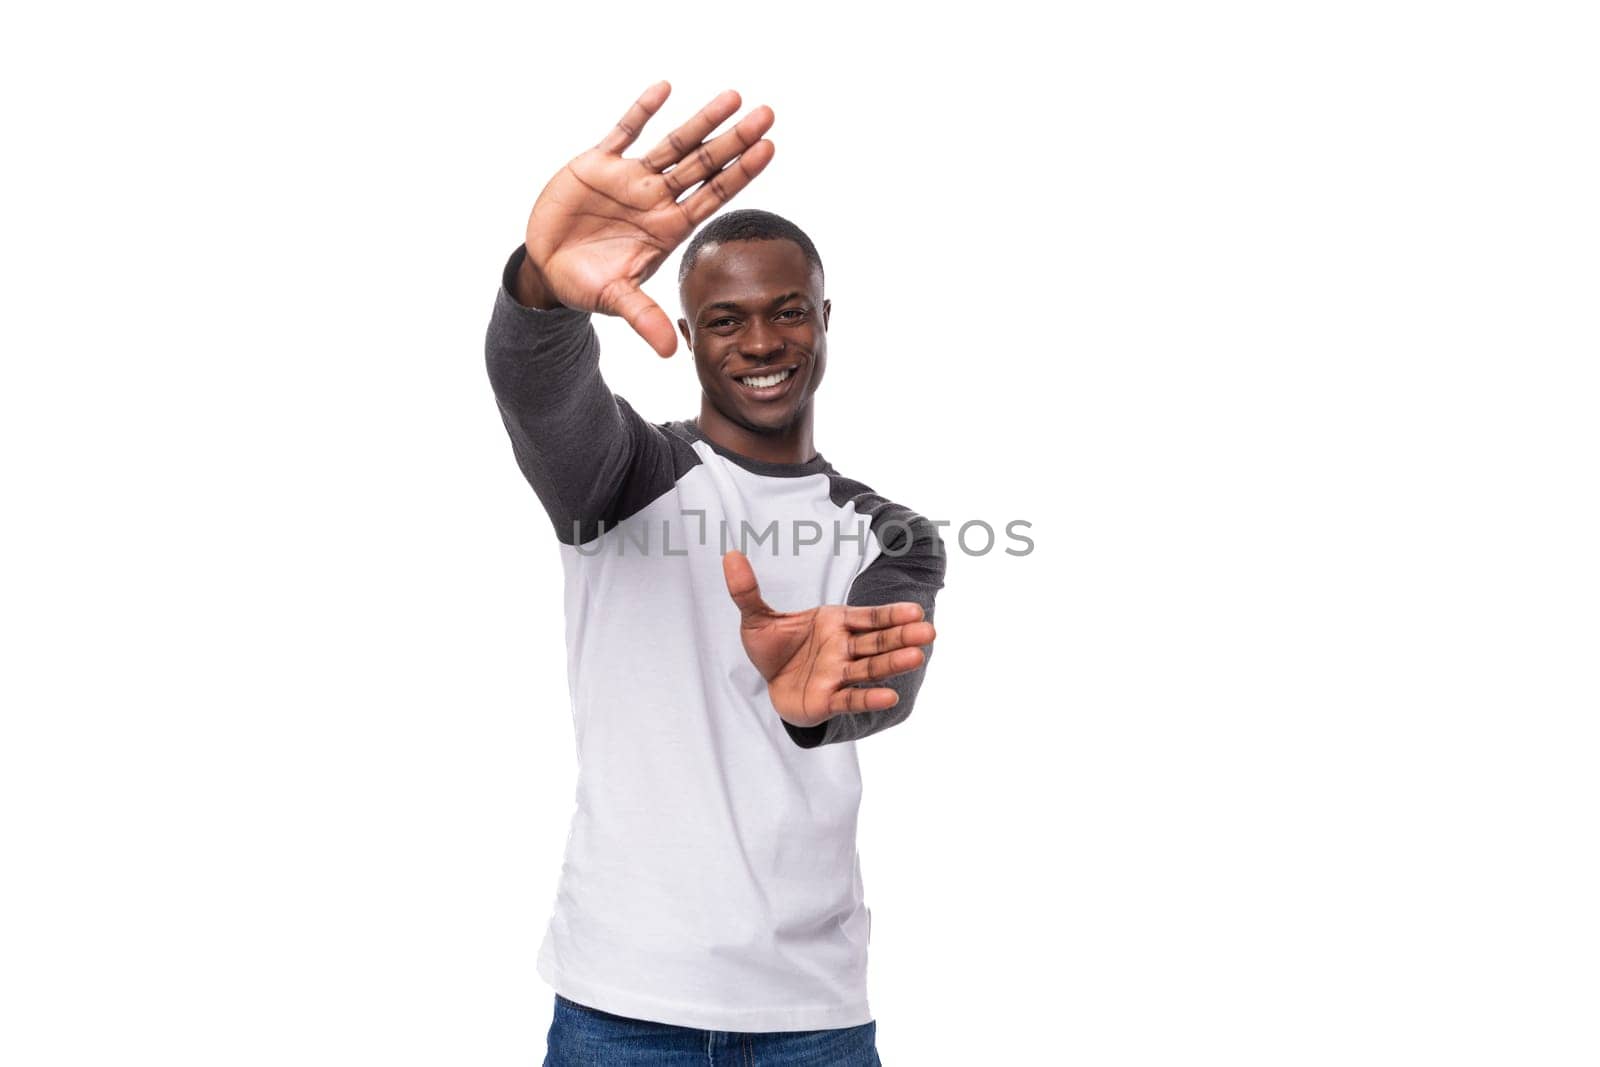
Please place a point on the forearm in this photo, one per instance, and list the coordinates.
(570, 436)
(529, 287)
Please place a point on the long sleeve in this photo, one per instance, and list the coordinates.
(910, 567)
(588, 455)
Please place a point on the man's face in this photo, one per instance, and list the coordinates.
(756, 312)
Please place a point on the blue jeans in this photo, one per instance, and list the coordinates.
(581, 1036)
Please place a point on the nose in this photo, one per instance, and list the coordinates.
(761, 341)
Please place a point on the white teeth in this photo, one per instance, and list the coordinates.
(765, 380)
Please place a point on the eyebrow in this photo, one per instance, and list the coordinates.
(733, 305)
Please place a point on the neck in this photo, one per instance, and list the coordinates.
(792, 444)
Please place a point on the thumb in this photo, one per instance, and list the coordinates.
(646, 318)
(742, 586)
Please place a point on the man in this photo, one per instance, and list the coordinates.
(710, 899)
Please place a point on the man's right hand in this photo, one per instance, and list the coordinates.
(604, 224)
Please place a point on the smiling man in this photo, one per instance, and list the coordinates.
(753, 283)
(710, 904)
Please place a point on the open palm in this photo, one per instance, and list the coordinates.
(605, 223)
(814, 660)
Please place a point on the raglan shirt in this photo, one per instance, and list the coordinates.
(711, 877)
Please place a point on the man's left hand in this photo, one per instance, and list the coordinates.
(813, 660)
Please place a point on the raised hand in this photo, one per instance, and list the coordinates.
(812, 660)
(605, 223)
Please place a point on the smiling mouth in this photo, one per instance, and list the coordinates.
(765, 381)
(763, 386)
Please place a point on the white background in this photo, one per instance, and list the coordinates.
(1277, 321)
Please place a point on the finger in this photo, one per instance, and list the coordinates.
(875, 641)
(712, 194)
(705, 160)
(742, 587)
(878, 616)
(877, 668)
(686, 138)
(644, 315)
(630, 125)
(846, 700)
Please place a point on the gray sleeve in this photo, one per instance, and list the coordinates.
(910, 567)
(591, 459)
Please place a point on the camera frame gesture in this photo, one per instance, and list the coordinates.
(606, 222)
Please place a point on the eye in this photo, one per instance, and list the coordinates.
(715, 323)
(799, 313)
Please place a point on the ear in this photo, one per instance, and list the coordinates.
(683, 328)
(827, 306)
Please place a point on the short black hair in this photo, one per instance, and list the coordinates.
(749, 224)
